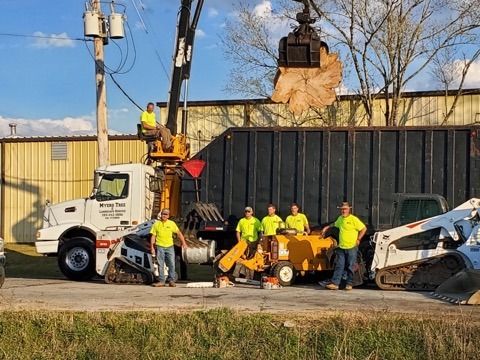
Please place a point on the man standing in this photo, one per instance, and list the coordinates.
(351, 232)
(249, 229)
(150, 127)
(297, 220)
(162, 235)
(270, 224)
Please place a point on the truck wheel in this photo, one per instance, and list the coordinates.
(285, 273)
(76, 260)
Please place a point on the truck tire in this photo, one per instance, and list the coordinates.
(284, 272)
(76, 259)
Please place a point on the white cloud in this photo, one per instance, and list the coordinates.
(52, 40)
(264, 9)
(212, 12)
(344, 90)
(83, 125)
(200, 34)
(279, 26)
(473, 76)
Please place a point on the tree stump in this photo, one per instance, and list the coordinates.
(303, 88)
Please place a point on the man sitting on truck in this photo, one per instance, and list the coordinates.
(162, 236)
(297, 220)
(150, 127)
(352, 229)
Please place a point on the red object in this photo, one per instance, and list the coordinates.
(102, 244)
(194, 167)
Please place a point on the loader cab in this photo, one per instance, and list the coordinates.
(408, 208)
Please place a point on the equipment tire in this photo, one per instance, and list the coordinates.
(284, 272)
(76, 259)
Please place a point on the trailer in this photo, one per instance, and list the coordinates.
(321, 167)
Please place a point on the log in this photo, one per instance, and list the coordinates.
(303, 88)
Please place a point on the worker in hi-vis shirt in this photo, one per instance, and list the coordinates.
(296, 220)
(270, 224)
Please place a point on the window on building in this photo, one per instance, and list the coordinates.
(59, 151)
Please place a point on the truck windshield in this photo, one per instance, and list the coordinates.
(112, 187)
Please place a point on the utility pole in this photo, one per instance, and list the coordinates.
(102, 125)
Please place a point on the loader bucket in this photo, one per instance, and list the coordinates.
(462, 288)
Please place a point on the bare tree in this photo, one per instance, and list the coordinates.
(248, 45)
(450, 72)
(390, 42)
(386, 44)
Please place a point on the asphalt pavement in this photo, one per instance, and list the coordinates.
(58, 294)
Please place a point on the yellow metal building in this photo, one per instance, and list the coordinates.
(35, 170)
(208, 119)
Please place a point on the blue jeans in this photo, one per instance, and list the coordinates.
(345, 260)
(166, 255)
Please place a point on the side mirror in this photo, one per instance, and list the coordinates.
(93, 194)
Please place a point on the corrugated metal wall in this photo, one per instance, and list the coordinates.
(319, 168)
(209, 119)
(30, 177)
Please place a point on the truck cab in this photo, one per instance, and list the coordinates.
(408, 208)
(122, 196)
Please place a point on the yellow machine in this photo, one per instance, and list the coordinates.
(284, 256)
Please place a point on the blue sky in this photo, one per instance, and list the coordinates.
(47, 85)
(48, 80)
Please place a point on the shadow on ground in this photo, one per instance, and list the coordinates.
(24, 262)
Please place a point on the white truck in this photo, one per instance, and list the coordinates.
(123, 196)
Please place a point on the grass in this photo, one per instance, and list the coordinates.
(24, 262)
(225, 334)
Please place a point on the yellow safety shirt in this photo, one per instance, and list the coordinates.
(270, 224)
(163, 231)
(249, 228)
(349, 227)
(148, 119)
(297, 222)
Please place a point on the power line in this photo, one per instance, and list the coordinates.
(124, 92)
(44, 37)
(149, 35)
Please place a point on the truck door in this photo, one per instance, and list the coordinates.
(111, 206)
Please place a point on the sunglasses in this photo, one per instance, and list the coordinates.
(247, 211)
(164, 214)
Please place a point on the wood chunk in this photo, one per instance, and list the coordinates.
(303, 88)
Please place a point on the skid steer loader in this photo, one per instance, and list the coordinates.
(440, 254)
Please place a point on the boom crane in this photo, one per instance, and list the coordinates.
(182, 63)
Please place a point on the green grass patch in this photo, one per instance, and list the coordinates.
(225, 334)
(24, 262)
